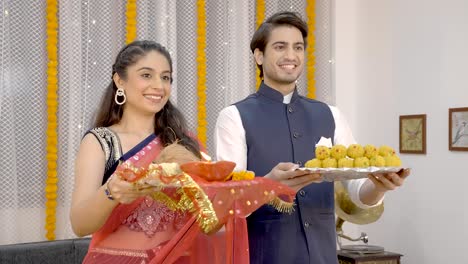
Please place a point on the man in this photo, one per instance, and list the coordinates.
(273, 132)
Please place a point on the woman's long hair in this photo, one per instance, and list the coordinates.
(170, 125)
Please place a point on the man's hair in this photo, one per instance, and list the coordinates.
(285, 18)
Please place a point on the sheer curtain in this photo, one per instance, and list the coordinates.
(90, 35)
(22, 121)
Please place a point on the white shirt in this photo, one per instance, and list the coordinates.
(230, 143)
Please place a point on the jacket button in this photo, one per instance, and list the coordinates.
(290, 110)
(302, 193)
(295, 135)
(306, 224)
(299, 163)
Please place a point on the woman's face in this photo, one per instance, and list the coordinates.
(148, 84)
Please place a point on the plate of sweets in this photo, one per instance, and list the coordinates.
(339, 163)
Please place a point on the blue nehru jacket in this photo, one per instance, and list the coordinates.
(277, 132)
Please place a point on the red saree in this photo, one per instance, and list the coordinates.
(178, 224)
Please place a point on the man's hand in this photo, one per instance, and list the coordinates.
(286, 173)
(379, 183)
(389, 181)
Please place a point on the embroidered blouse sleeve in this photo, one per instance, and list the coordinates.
(344, 136)
(230, 143)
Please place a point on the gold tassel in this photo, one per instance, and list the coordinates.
(166, 200)
(282, 206)
(206, 216)
(191, 196)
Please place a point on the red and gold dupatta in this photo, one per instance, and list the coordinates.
(214, 230)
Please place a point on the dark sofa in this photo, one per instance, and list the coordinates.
(68, 251)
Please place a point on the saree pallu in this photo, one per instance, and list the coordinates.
(150, 231)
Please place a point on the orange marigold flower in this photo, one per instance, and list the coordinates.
(242, 175)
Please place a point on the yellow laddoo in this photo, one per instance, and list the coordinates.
(392, 161)
(385, 151)
(355, 151)
(313, 163)
(345, 163)
(361, 162)
(377, 161)
(370, 151)
(338, 152)
(329, 163)
(322, 152)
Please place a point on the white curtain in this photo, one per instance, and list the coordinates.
(91, 32)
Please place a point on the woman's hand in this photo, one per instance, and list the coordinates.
(125, 192)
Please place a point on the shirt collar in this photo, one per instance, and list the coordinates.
(287, 98)
(274, 95)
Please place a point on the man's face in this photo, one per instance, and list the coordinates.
(283, 57)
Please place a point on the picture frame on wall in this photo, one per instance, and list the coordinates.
(413, 134)
(458, 129)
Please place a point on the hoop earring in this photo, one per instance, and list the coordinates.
(120, 93)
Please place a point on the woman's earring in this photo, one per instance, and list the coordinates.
(120, 93)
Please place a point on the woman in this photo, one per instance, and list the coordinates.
(130, 224)
(135, 113)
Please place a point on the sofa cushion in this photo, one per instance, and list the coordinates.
(58, 251)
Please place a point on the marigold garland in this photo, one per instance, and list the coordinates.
(201, 71)
(310, 51)
(131, 15)
(260, 17)
(51, 144)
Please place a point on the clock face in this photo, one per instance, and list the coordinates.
(412, 134)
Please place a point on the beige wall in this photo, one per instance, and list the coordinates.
(400, 57)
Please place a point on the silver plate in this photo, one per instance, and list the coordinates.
(340, 174)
